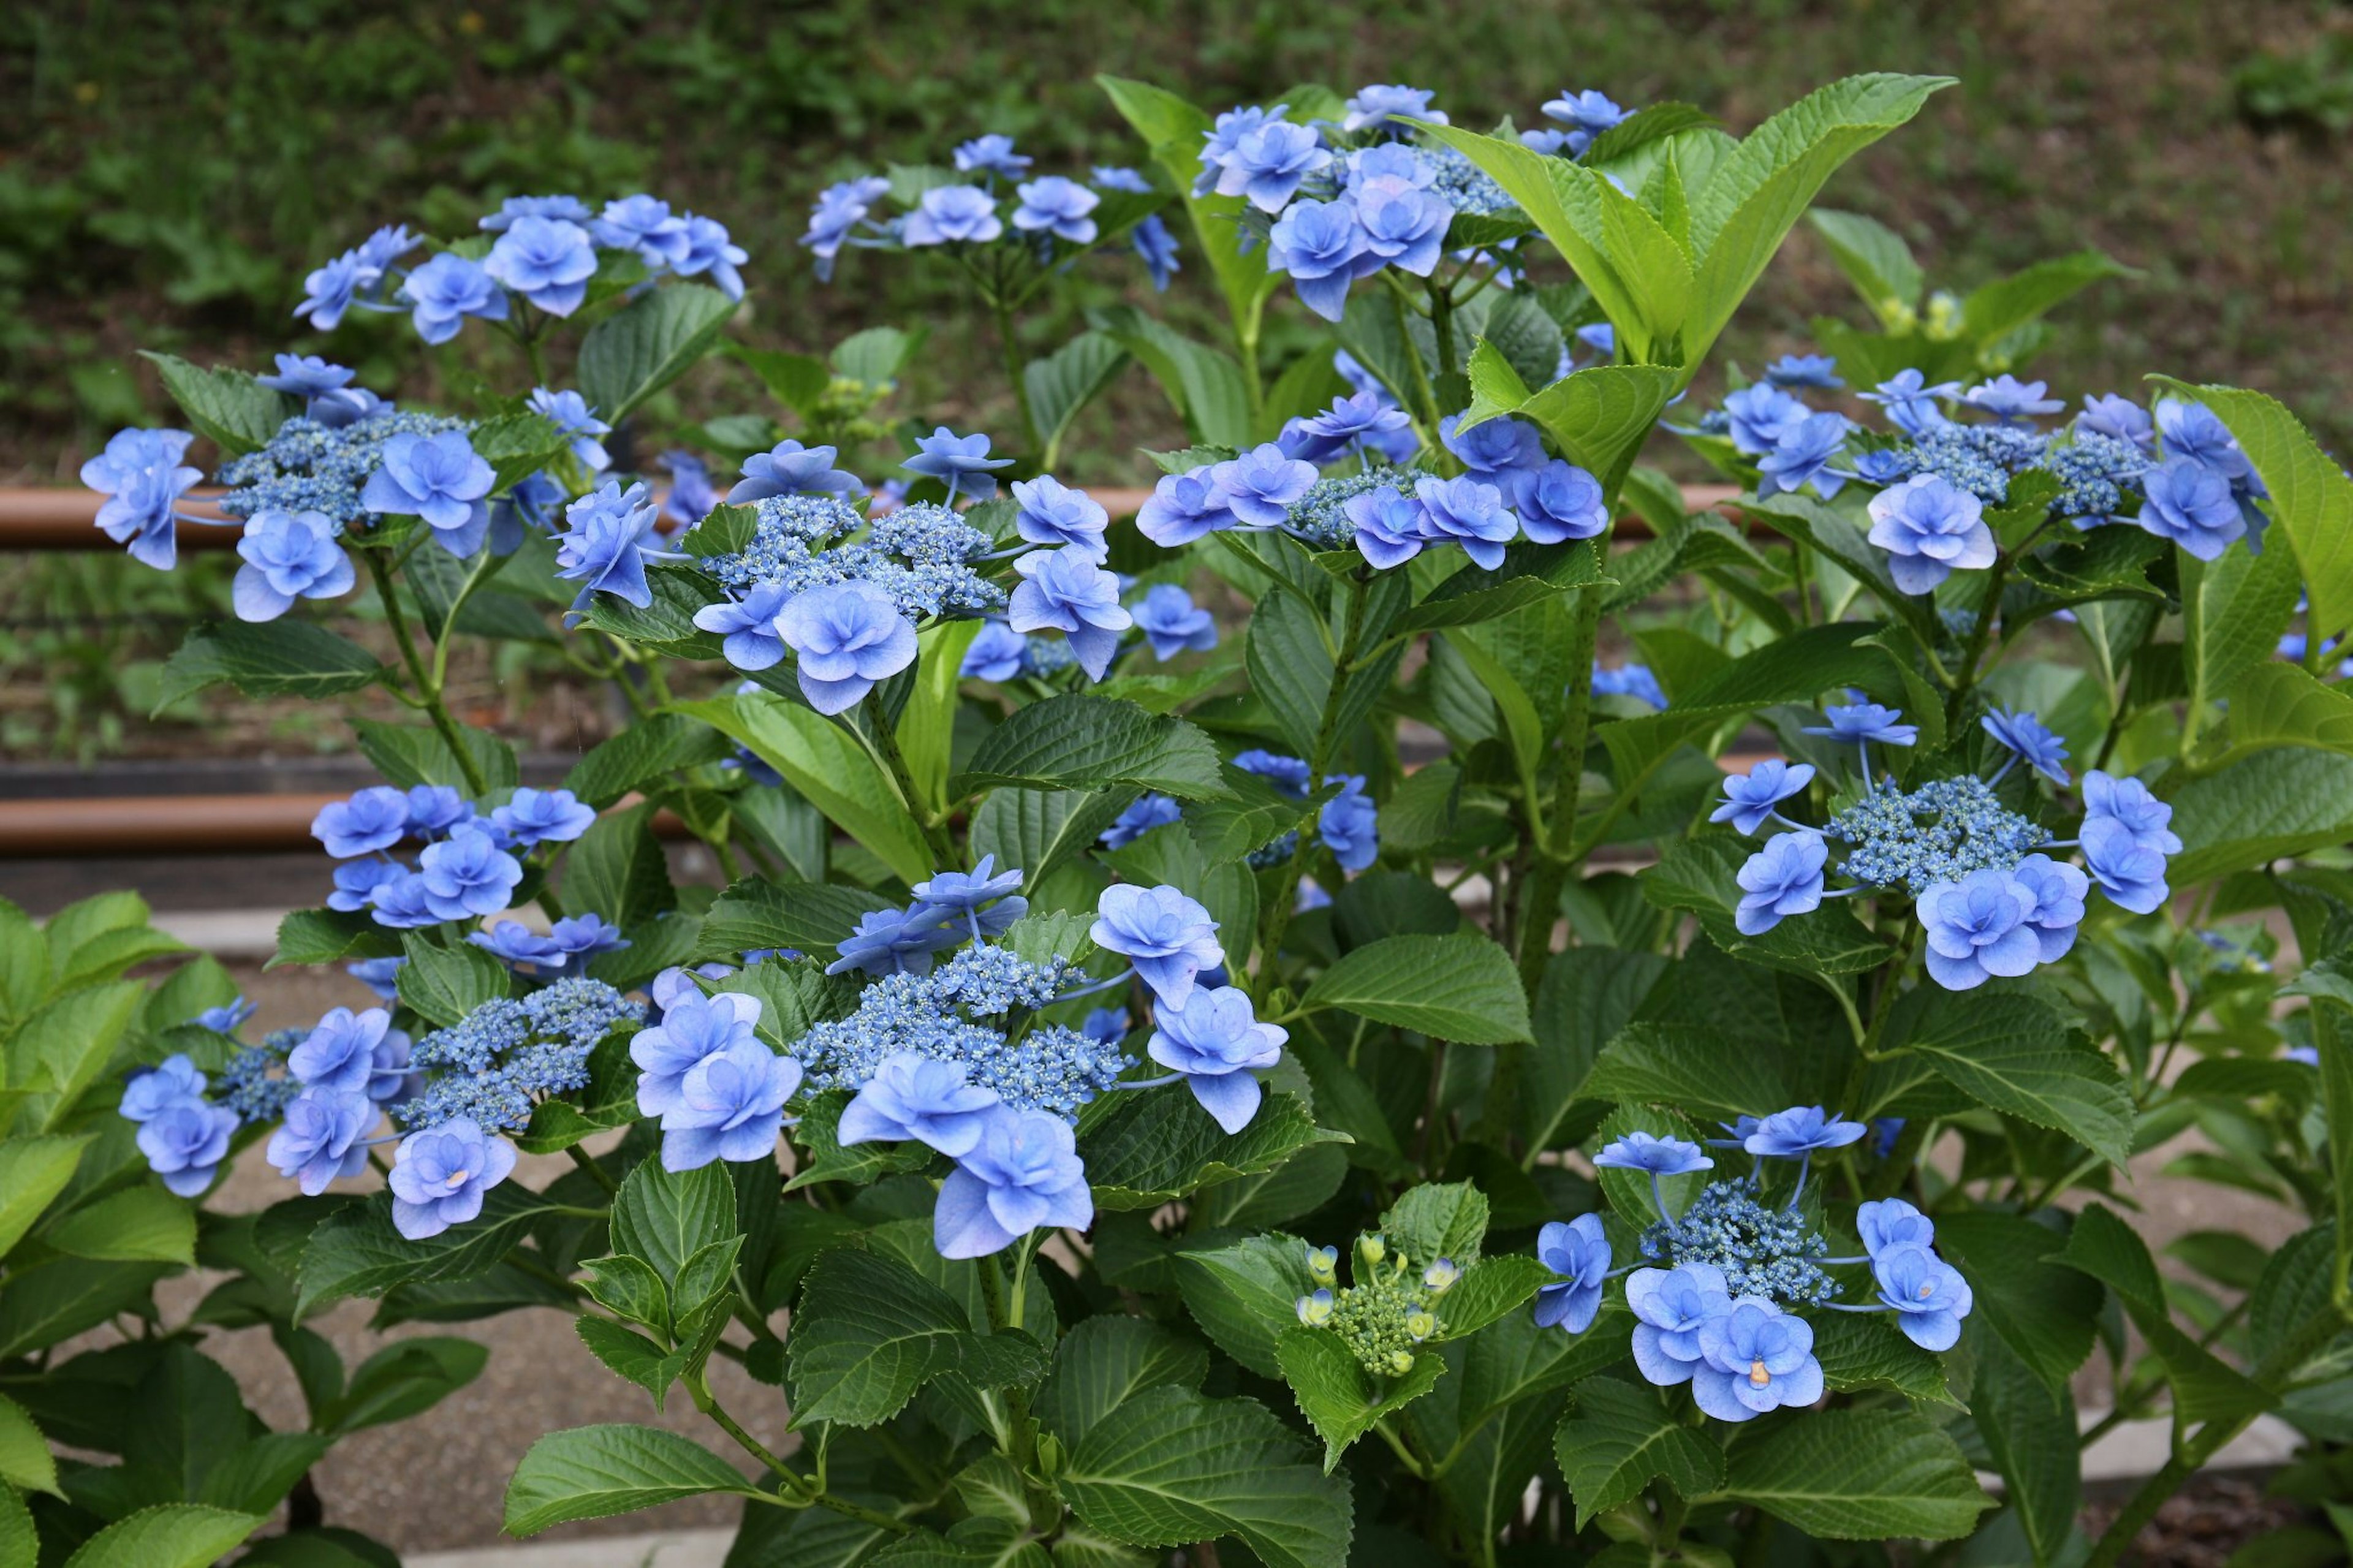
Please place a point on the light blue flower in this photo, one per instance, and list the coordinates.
(569, 412)
(1760, 415)
(1057, 205)
(2058, 890)
(2129, 871)
(224, 1020)
(1224, 136)
(1142, 815)
(1289, 774)
(606, 543)
(992, 154)
(1158, 249)
(330, 290)
(844, 637)
(1371, 108)
(946, 895)
(288, 555)
(995, 654)
(1183, 508)
(440, 1173)
(894, 941)
(378, 975)
(1929, 528)
(1360, 421)
(916, 1097)
(1888, 1222)
(548, 261)
(1467, 512)
(1587, 114)
(2119, 418)
(1268, 164)
(2028, 738)
(1391, 527)
(1656, 1156)
(322, 1138)
(1669, 1307)
(2128, 802)
(1977, 928)
(1173, 624)
(730, 1106)
(184, 1143)
(439, 479)
(2012, 400)
(839, 209)
(952, 213)
(1496, 450)
(960, 462)
(1781, 880)
(693, 1028)
(174, 1079)
(1632, 680)
(339, 1053)
(2194, 431)
(1929, 1295)
(1169, 937)
(1755, 1357)
(306, 377)
(1260, 485)
(445, 290)
(710, 252)
(1053, 513)
(1216, 1041)
(1066, 590)
(1805, 370)
(401, 904)
(536, 816)
(749, 625)
(1750, 798)
(1558, 502)
(692, 495)
(1108, 1025)
(513, 943)
(1580, 1253)
(1800, 1131)
(1403, 226)
(436, 809)
(1023, 1174)
(791, 469)
(467, 874)
(1910, 400)
(641, 225)
(375, 818)
(1802, 455)
(1321, 246)
(141, 474)
(569, 209)
(1349, 824)
(2190, 504)
(1864, 723)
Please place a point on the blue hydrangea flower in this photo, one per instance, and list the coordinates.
(749, 625)
(1142, 815)
(2127, 801)
(2118, 418)
(569, 412)
(607, 542)
(1289, 774)
(1024, 1172)
(1268, 164)
(1888, 1222)
(694, 1028)
(174, 1078)
(1750, 798)
(1216, 1040)
(378, 975)
(1119, 177)
(1910, 400)
(952, 214)
(445, 290)
(995, 654)
(691, 497)
(1783, 879)
(1224, 136)
(2028, 739)
(1864, 723)
(226, 1020)
(1977, 928)
(467, 874)
(1173, 624)
(516, 944)
(1632, 680)
(1360, 421)
(846, 638)
(184, 1143)
(1320, 246)
(916, 1097)
(1802, 455)
(1496, 450)
(1066, 590)
(969, 893)
(401, 902)
(2012, 400)
(2194, 431)
(839, 209)
(1108, 1025)
(1929, 528)
(1580, 1253)
(1349, 824)
(570, 209)
(330, 290)
(1169, 937)
(710, 251)
(322, 1138)
(1755, 1357)
(440, 1174)
(340, 1053)
(1058, 206)
(438, 479)
(375, 818)
(1670, 1305)
(288, 555)
(1466, 511)
(1157, 249)
(1805, 370)
(1800, 1131)
(1391, 527)
(2190, 504)
(1658, 1156)
(436, 809)
(960, 462)
(1558, 502)
(2128, 869)
(1929, 1295)
(2058, 891)
(1371, 108)
(1587, 114)
(791, 469)
(730, 1106)
(535, 816)
(547, 261)
(645, 227)
(306, 377)
(1053, 513)
(1183, 508)
(1403, 226)
(893, 941)
(991, 154)
(141, 474)
(1760, 415)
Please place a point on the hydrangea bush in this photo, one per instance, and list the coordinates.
(1098, 966)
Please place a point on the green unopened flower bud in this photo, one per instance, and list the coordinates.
(1897, 316)
(1400, 1361)
(1371, 1248)
(1421, 1325)
(1944, 316)
(1440, 1276)
(1315, 1310)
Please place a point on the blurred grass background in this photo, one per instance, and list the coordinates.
(168, 173)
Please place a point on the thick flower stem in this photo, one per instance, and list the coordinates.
(1016, 373)
(429, 688)
(805, 1490)
(885, 743)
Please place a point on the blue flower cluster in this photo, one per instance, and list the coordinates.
(1391, 1307)
(467, 867)
(547, 250)
(993, 204)
(1722, 1312)
(502, 1059)
(1989, 901)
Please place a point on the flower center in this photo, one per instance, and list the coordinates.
(457, 1179)
(1757, 1375)
(1927, 1289)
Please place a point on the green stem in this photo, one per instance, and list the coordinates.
(1276, 919)
(429, 688)
(1442, 325)
(698, 1388)
(884, 741)
(1988, 609)
(1011, 346)
(588, 1163)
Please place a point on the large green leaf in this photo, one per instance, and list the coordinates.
(594, 1472)
(1170, 1467)
(2028, 1429)
(618, 870)
(1208, 387)
(25, 1462)
(1144, 1150)
(2015, 1053)
(663, 1217)
(2205, 1388)
(356, 1250)
(827, 764)
(137, 1224)
(1081, 742)
(1340, 1399)
(2280, 705)
(229, 407)
(1874, 256)
(646, 344)
(171, 1535)
(1243, 1294)
(811, 917)
(869, 1332)
(2233, 610)
(441, 984)
(1996, 310)
(1618, 1439)
(1587, 995)
(32, 1172)
(1104, 1362)
(2263, 807)
(1858, 1475)
(2047, 1312)
(276, 658)
(1597, 416)
(1462, 988)
(641, 754)
(1065, 382)
(1291, 667)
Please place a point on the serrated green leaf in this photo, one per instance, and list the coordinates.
(869, 1332)
(1065, 382)
(1340, 1399)
(275, 659)
(1290, 668)
(1438, 1219)
(1081, 742)
(2045, 1311)
(1460, 988)
(2015, 1053)
(826, 764)
(1104, 1362)
(1874, 256)
(442, 985)
(1620, 1439)
(136, 1225)
(637, 756)
(646, 344)
(1859, 1475)
(2263, 807)
(1245, 1293)
(1144, 1150)
(594, 1472)
(1860, 1351)
(330, 936)
(171, 1535)
(229, 407)
(664, 1217)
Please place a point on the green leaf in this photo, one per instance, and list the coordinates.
(1859, 1475)
(1291, 667)
(1620, 1439)
(25, 1462)
(228, 407)
(1438, 1219)
(1206, 385)
(405, 1379)
(2029, 1431)
(1699, 875)
(1244, 1294)
(664, 1217)
(1104, 1362)
(276, 658)
(517, 444)
(1145, 1149)
(869, 1332)
(618, 870)
(1694, 1070)
(2233, 611)
(1999, 308)
(33, 1171)
(637, 756)
(1340, 1399)
(811, 917)
(2015, 1053)
(136, 1225)
(1866, 1351)
(797, 381)
(594, 1472)
(875, 356)
(172, 1535)
(1874, 256)
(1587, 995)
(926, 727)
(330, 936)
(1488, 1290)
(443, 984)
(1460, 988)
(1170, 1467)
(2311, 497)
(2280, 704)
(1066, 381)
(1093, 742)
(2263, 807)
(826, 764)
(2204, 1388)
(1599, 416)
(62, 1050)
(1255, 813)
(410, 755)
(1039, 830)
(2045, 1311)
(858, 1164)
(356, 1251)
(666, 623)
(646, 344)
